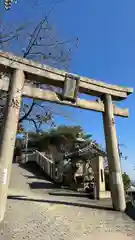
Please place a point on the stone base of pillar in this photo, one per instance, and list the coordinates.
(98, 167)
(104, 195)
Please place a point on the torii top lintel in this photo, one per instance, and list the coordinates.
(48, 75)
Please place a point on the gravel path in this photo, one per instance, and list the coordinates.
(36, 215)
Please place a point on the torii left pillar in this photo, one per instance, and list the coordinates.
(8, 134)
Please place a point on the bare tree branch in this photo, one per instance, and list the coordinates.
(34, 122)
(44, 47)
(34, 36)
(28, 113)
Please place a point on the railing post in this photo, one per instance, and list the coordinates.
(116, 182)
(8, 134)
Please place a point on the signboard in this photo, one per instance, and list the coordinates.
(71, 86)
(4, 176)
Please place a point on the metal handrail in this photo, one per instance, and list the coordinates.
(44, 157)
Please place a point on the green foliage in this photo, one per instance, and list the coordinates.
(68, 131)
(62, 137)
(126, 180)
(18, 147)
(18, 142)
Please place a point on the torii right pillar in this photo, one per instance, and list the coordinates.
(116, 182)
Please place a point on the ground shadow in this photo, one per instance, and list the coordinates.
(72, 194)
(92, 206)
(130, 210)
(34, 177)
(32, 167)
(38, 173)
(43, 185)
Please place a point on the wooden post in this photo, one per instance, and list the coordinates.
(8, 134)
(117, 188)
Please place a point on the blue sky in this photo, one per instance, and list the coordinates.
(106, 51)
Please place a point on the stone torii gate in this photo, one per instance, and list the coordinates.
(19, 70)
